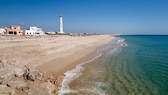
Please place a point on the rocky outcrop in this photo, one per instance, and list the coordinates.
(20, 80)
(32, 74)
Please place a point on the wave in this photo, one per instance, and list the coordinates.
(121, 42)
(94, 90)
(112, 46)
(71, 75)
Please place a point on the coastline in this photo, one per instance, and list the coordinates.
(51, 57)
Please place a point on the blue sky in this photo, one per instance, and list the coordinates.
(89, 16)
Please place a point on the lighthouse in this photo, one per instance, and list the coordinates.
(61, 25)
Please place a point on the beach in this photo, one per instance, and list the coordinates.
(42, 61)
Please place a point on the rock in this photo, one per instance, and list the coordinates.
(1, 80)
(4, 90)
(51, 88)
(1, 65)
(32, 74)
(18, 72)
(41, 89)
(20, 85)
(6, 76)
(26, 73)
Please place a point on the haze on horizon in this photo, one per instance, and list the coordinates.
(88, 16)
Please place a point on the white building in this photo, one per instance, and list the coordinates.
(34, 31)
(2, 30)
(51, 32)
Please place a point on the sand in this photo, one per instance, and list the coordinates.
(59, 54)
(56, 54)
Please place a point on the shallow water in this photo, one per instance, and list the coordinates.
(141, 68)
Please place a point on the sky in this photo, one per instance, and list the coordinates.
(88, 16)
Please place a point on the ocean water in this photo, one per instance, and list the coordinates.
(137, 65)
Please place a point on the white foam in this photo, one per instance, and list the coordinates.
(121, 42)
(95, 89)
(71, 75)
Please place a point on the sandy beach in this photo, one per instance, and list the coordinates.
(47, 55)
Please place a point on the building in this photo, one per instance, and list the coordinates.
(61, 25)
(2, 31)
(32, 30)
(51, 33)
(14, 30)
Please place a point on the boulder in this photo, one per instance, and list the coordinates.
(32, 74)
(18, 72)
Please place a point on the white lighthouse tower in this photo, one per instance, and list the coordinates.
(61, 25)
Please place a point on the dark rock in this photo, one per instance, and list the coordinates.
(32, 74)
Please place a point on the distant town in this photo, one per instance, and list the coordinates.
(32, 30)
(16, 30)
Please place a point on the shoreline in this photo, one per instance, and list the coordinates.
(78, 71)
(45, 60)
(75, 72)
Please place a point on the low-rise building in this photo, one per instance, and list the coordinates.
(51, 33)
(2, 31)
(32, 30)
(14, 30)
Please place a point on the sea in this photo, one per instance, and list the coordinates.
(128, 65)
